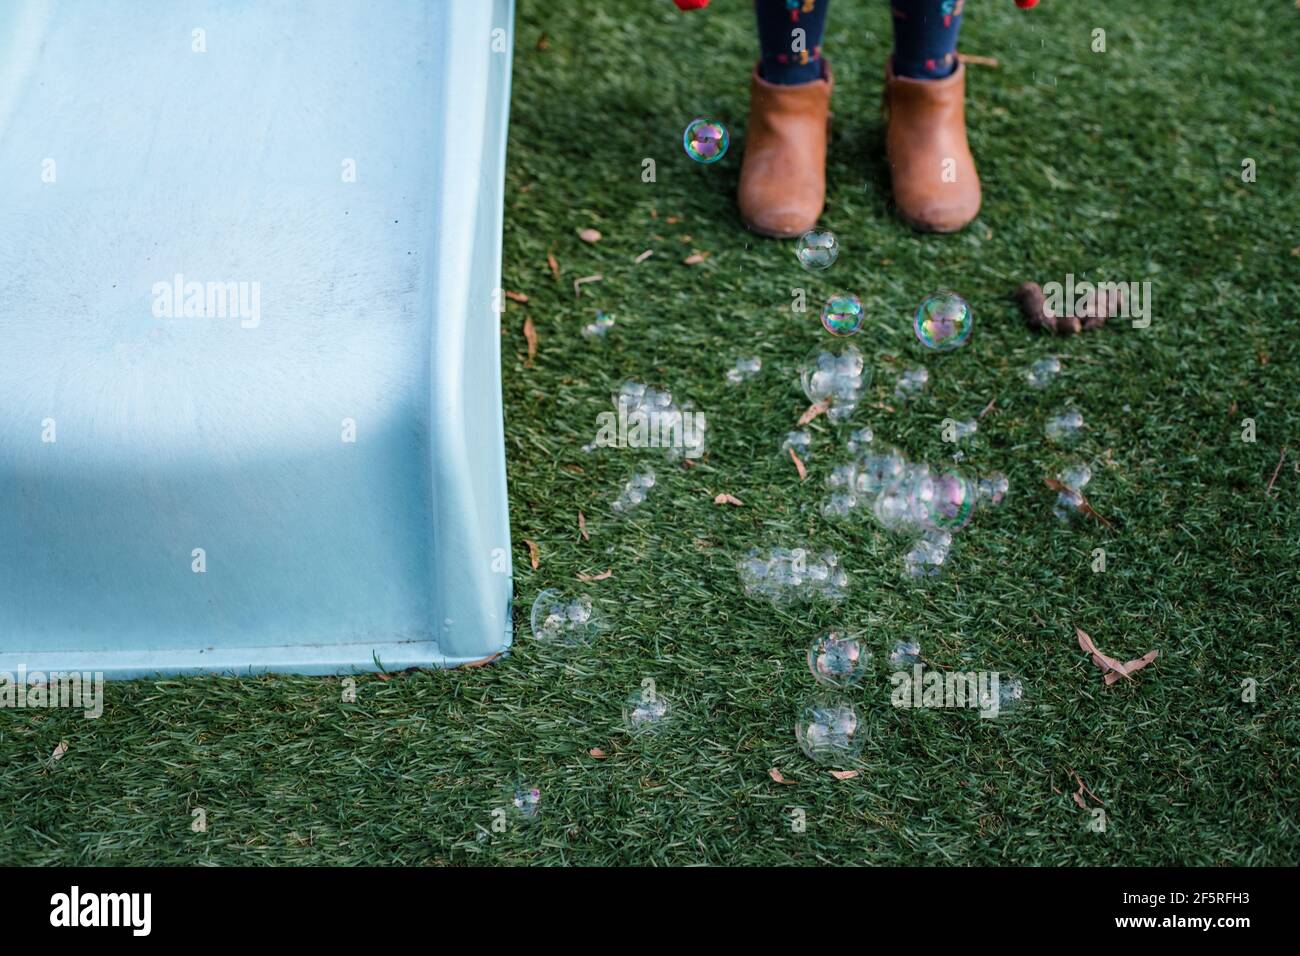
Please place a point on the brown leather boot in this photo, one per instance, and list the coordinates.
(783, 174)
(936, 187)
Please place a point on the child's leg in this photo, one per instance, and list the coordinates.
(925, 37)
(790, 39)
(783, 175)
(936, 188)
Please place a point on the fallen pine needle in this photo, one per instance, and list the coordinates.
(725, 499)
(1281, 458)
(578, 283)
(644, 256)
(582, 526)
(987, 408)
(1083, 502)
(534, 555)
(815, 409)
(977, 60)
(799, 466)
(553, 265)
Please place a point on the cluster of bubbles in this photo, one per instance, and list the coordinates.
(1042, 372)
(745, 368)
(943, 321)
(911, 382)
(836, 378)
(910, 499)
(557, 618)
(662, 415)
(1065, 427)
(843, 314)
(904, 655)
(1069, 501)
(524, 801)
(634, 491)
(705, 140)
(800, 442)
(817, 250)
(829, 730)
(786, 574)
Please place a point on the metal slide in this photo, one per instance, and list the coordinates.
(250, 404)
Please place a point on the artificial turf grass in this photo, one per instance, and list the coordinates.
(1126, 168)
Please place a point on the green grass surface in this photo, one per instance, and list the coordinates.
(1123, 165)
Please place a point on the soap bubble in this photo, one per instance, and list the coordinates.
(880, 468)
(860, 439)
(843, 314)
(1076, 476)
(904, 654)
(836, 377)
(524, 801)
(944, 500)
(817, 250)
(1007, 700)
(943, 321)
(992, 490)
(634, 491)
(912, 381)
(645, 710)
(1042, 372)
(705, 140)
(558, 619)
(743, 369)
(838, 660)
(800, 443)
(1064, 427)
(598, 328)
(928, 555)
(829, 731)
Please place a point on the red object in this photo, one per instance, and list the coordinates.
(1022, 4)
(701, 4)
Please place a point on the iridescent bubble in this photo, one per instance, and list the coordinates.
(904, 654)
(928, 555)
(559, 619)
(705, 140)
(645, 710)
(843, 314)
(817, 249)
(1064, 427)
(880, 468)
(838, 660)
(943, 321)
(829, 731)
(945, 500)
(1042, 372)
(836, 377)
(524, 801)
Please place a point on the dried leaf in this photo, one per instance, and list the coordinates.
(516, 296)
(534, 556)
(589, 235)
(384, 677)
(845, 774)
(588, 578)
(977, 60)
(1083, 788)
(582, 526)
(694, 259)
(530, 336)
(1113, 669)
(597, 753)
(987, 408)
(578, 283)
(543, 43)
(1281, 458)
(673, 220)
(59, 751)
(1133, 666)
(1083, 502)
(799, 466)
(726, 499)
(815, 409)
(776, 775)
(553, 265)
(644, 256)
